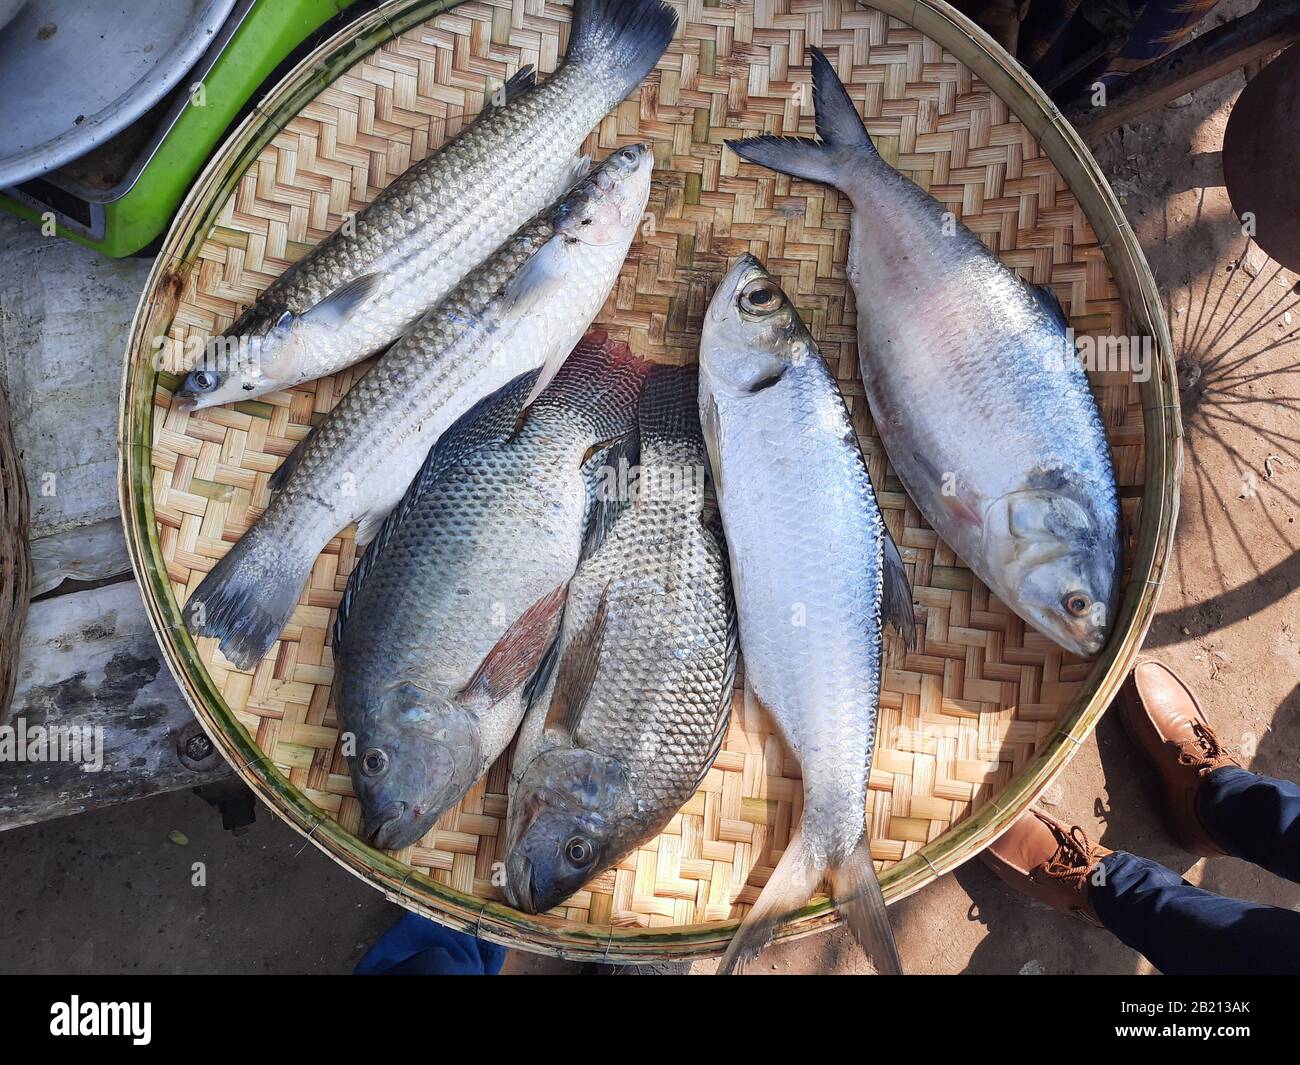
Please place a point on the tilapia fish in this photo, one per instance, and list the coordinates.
(816, 576)
(975, 385)
(526, 307)
(357, 291)
(454, 605)
(636, 705)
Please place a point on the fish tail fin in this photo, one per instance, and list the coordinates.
(622, 37)
(247, 598)
(791, 885)
(839, 126)
(800, 157)
(856, 891)
(838, 122)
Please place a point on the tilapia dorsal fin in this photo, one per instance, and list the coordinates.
(856, 891)
(791, 885)
(896, 604)
(604, 509)
(576, 672)
(517, 654)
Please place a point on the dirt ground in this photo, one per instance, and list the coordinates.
(106, 892)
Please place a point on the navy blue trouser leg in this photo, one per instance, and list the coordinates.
(1253, 817)
(416, 946)
(1183, 930)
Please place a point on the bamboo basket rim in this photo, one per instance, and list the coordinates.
(495, 921)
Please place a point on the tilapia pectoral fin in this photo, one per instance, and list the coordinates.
(791, 885)
(247, 598)
(335, 308)
(576, 671)
(515, 657)
(856, 891)
(623, 454)
(897, 601)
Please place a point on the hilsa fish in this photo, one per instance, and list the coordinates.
(357, 291)
(816, 576)
(452, 608)
(525, 308)
(634, 707)
(976, 390)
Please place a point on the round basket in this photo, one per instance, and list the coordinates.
(973, 725)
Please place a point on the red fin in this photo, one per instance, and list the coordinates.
(515, 656)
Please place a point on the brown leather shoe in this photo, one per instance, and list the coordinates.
(1043, 859)
(1167, 723)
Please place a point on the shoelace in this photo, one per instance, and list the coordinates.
(1075, 855)
(1211, 755)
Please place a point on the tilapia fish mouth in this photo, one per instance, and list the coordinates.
(385, 830)
(519, 883)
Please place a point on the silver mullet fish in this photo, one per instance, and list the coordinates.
(526, 307)
(358, 290)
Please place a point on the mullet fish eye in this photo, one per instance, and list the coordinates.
(1077, 604)
(763, 296)
(578, 852)
(373, 762)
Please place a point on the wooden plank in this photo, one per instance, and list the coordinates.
(64, 313)
(91, 670)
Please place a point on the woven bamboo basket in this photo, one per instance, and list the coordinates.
(974, 724)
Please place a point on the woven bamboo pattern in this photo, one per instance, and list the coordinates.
(962, 715)
(15, 557)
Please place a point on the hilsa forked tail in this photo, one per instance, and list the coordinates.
(854, 889)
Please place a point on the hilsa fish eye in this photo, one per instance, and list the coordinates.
(762, 297)
(373, 762)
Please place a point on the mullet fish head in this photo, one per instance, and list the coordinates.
(607, 206)
(567, 818)
(256, 357)
(416, 755)
(1057, 560)
(752, 333)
